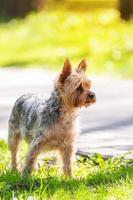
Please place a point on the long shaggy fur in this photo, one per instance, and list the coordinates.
(50, 124)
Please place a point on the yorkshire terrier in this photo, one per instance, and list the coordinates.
(50, 124)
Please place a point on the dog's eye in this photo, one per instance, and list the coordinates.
(80, 89)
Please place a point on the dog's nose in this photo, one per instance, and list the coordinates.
(91, 95)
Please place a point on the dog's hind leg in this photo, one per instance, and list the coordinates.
(35, 149)
(13, 144)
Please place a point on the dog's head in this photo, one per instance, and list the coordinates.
(74, 86)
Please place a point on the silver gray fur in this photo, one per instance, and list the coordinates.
(32, 114)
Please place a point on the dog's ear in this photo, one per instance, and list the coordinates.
(66, 71)
(82, 66)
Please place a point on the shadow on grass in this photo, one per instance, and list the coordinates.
(17, 64)
(34, 63)
(11, 181)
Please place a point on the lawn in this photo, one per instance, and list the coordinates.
(46, 38)
(93, 179)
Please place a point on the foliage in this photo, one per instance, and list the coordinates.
(94, 178)
(46, 38)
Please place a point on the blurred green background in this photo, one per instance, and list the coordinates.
(47, 33)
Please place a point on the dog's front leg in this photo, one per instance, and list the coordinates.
(66, 155)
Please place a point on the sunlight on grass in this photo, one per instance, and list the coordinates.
(94, 178)
(46, 38)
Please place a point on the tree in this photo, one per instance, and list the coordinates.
(14, 8)
(126, 9)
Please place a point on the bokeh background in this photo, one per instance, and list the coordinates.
(35, 38)
(41, 33)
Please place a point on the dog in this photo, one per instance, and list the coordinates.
(50, 124)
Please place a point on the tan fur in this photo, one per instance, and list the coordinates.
(74, 91)
(13, 147)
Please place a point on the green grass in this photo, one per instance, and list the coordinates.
(93, 179)
(46, 38)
